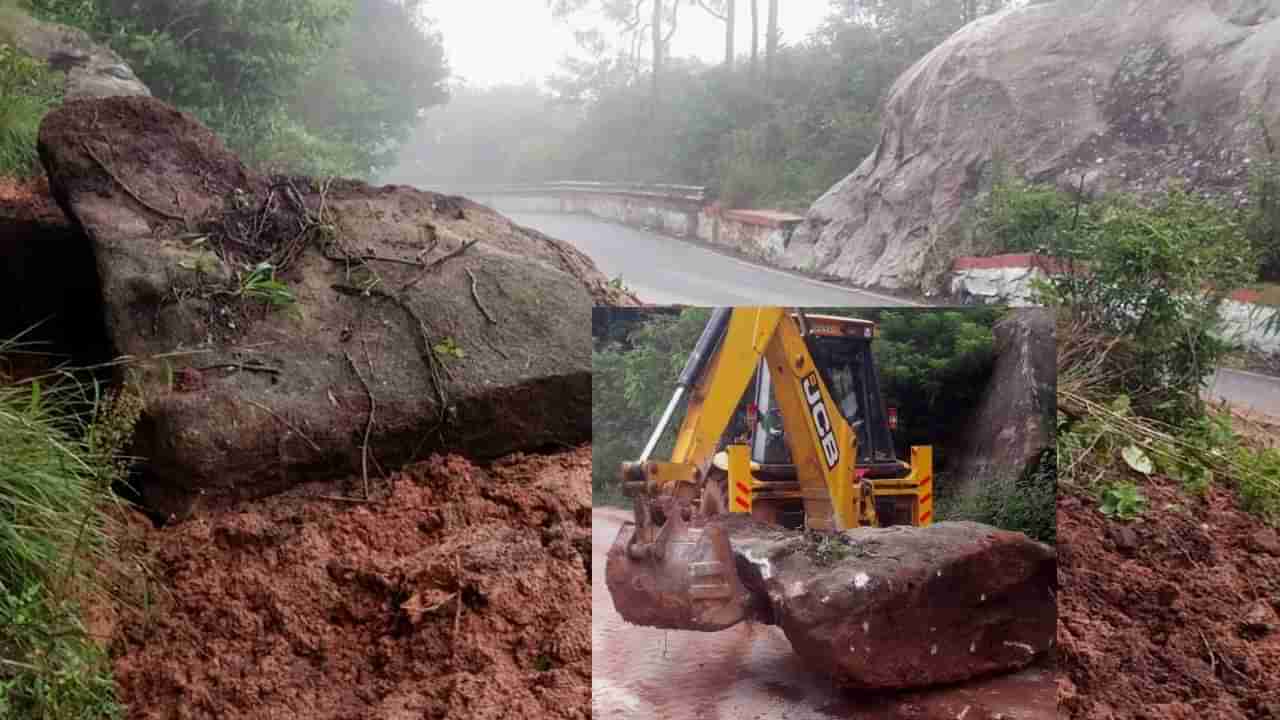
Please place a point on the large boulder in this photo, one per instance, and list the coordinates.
(91, 69)
(1105, 94)
(1015, 421)
(883, 608)
(398, 322)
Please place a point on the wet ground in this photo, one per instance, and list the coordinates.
(749, 671)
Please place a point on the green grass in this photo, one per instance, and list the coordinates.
(55, 475)
(28, 90)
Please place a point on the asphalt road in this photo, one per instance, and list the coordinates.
(1260, 393)
(749, 672)
(661, 269)
(665, 270)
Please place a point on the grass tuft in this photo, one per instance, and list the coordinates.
(56, 471)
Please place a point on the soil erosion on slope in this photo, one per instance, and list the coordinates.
(463, 592)
(1172, 618)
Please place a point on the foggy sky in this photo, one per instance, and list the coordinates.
(492, 42)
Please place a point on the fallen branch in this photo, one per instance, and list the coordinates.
(476, 296)
(129, 190)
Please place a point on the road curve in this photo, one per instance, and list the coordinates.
(749, 672)
(664, 270)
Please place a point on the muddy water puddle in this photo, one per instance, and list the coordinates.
(749, 671)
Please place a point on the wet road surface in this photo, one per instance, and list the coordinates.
(750, 672)
(665, 270)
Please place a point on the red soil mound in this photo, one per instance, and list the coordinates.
(463, 592)
(1172, 617)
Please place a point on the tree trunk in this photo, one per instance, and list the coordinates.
(657, 51)
(730, 27)
(771, 48)
(755, 37)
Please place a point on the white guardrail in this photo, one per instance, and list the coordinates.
(689, 193)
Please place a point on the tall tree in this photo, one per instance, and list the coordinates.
(724, 11)
(627, 16)
(771, 47)
(755, 37)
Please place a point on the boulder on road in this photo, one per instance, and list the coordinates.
(385, 324)
(882, 608)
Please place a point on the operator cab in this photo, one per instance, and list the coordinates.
(841, 349)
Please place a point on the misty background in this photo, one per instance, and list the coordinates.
(767, 103)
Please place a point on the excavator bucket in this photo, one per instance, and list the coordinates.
(683, 579)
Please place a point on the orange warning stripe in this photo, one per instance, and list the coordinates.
(742, 488)
(925, 517)
(925, 498)
(741, 503)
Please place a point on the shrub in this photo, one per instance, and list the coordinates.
(28, 90)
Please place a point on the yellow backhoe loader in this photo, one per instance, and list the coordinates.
(785, 429)
(816, 453)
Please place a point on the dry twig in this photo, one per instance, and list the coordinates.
(476, 296)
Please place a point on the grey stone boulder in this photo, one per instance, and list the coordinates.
(1112, 95)
(1016, 419)
(467, 332)
(92, 70)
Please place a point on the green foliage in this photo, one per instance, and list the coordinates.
(934, 368)
(1026, 504)
(28, 90)
(631, 382)
(315, 86)
(259, 283)
(1122, 501)
(449, 348)
(1152, 276)
(1020, 217)
(1262, 217)
(55, 477)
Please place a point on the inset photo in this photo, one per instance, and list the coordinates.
(823, 512)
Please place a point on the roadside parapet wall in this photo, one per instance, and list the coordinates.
(680, 211)
(1011, 279)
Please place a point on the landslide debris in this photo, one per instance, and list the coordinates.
(462, 592)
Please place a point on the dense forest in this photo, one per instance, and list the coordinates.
(776, 123)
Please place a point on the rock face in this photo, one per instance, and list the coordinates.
(891, 607)
(418, 322)
(1015, 421)
(92, 70)
(1108, 94)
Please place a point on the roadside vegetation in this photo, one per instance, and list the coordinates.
(58, 552)
(1139, 331)
(322, 87)
(28, 90)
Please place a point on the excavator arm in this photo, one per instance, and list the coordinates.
(822, 442)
